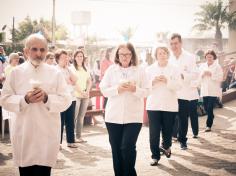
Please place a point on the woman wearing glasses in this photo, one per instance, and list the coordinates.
(124, 85)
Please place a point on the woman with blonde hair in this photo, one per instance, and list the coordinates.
(13, 61)
(162, 102)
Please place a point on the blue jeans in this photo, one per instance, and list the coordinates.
(67, 119)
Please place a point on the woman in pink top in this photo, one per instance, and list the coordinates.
(104, 64)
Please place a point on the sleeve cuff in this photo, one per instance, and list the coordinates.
(47, 104)
(23, 103)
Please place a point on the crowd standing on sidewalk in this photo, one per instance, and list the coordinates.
(49, 91)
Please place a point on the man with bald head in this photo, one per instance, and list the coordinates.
(36, 93)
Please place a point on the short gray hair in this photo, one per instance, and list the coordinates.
(31, 38)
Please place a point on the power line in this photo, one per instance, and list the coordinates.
(155, 2)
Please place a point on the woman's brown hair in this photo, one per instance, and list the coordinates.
(83, 62)
(134, 59)
(58, 54)
(211, 52)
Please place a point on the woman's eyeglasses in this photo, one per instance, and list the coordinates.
(125, 54)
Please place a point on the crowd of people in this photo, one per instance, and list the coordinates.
(50, 91)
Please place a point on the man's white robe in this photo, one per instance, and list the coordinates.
(35, 132)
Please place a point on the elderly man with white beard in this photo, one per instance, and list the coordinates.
(36, 93)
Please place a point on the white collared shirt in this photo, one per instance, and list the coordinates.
(126, 107)
(211, 85)
(163, 97)
(186, 63)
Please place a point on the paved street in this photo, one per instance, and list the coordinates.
(212, 153)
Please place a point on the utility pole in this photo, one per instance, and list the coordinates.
(232, 33)
(13, 33)
(53, 24)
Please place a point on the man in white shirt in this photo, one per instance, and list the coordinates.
(36, 93)
(188, 95)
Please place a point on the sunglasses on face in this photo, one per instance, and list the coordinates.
(38, 49)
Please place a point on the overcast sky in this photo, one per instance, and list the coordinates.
(110, 16)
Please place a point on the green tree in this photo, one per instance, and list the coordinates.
(215, 16)
(61, 33)
(2, 37)
(26, 27)
(29, 26)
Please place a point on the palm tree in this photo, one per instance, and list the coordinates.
(128, 33)
(215, 16)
